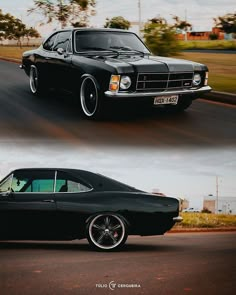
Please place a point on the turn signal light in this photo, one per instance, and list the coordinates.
(114, 83)
(206, 79)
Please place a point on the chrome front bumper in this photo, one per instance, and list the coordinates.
(197, 91)
(177, 219)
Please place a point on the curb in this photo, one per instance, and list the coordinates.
(224, 97)
(16, 60)
(199, 230)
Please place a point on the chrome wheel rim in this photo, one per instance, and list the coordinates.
(106, 231)
(89, 96)
(34, 79)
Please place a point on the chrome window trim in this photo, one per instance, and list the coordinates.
(57, 33)
(54, 33)
(5, 180)
(79, 192)
(52, 192)
(55, 180)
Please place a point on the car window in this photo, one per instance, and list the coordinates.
(85, 40)
(33, 181)
(70, 184)
(62, 41)
(49, 43)
(5, 186)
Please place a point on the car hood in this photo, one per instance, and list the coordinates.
(151, 64)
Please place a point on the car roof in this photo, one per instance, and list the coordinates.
(95, 30)
(97, 181)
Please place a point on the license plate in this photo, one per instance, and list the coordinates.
(173, 99)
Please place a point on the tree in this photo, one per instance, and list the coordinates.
(66, 12)
(117, 22)
(160, 37)
(31, 33)
(182, 25)
(12, 28)
(226, 23)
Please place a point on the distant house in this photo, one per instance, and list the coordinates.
(202, 35)
(226, 205)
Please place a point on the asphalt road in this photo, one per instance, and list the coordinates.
(182, 263)
(57, 117)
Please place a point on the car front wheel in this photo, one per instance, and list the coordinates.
(107, 232)
(92, 103)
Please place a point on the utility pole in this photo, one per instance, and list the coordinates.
(217, 193)
(139, 17)
(186, 30)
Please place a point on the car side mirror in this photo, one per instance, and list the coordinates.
(60, 51)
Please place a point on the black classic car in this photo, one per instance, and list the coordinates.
(101, 65)
(66, 204)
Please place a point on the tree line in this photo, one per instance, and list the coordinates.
(12, 28)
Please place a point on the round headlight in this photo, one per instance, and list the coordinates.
(125, 82)
(197, 79)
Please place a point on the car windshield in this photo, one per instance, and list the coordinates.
(111, 41)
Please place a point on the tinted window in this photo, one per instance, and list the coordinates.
(48, 45)
(68, 183)
(33, 181)
(107, 40)
(62, 41)
(5, 186)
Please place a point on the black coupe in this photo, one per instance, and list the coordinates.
(66, 204)
(102, 65)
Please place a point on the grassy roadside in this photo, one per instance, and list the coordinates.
(209, 44)
(222, 67)
(13, 51)
(206, 221)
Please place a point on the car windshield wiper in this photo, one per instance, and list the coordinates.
(98, 49)
(129, 49)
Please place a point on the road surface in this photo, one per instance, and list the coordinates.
(182, 263)
(57, 117)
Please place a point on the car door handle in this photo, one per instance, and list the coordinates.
(47, 58)
(49, 201)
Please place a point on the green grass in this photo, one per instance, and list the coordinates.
(13, 51)
(222, 67)
(205, 220)
(209, 44)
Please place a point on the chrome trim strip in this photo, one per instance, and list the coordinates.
(203, 89)
(177, 219)
(55, 179)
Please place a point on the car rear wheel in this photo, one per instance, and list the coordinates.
(107, 232)
(91, 102)
(37, 85)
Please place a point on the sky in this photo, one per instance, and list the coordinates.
(189, 173)
(199, 13)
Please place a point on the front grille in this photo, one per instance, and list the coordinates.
(164, 81)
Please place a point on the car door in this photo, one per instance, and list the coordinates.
(29, 207)
(72, 203)
(60, 61)
(44, 57)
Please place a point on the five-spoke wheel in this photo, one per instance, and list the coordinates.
(90, 100)
(107, 232)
